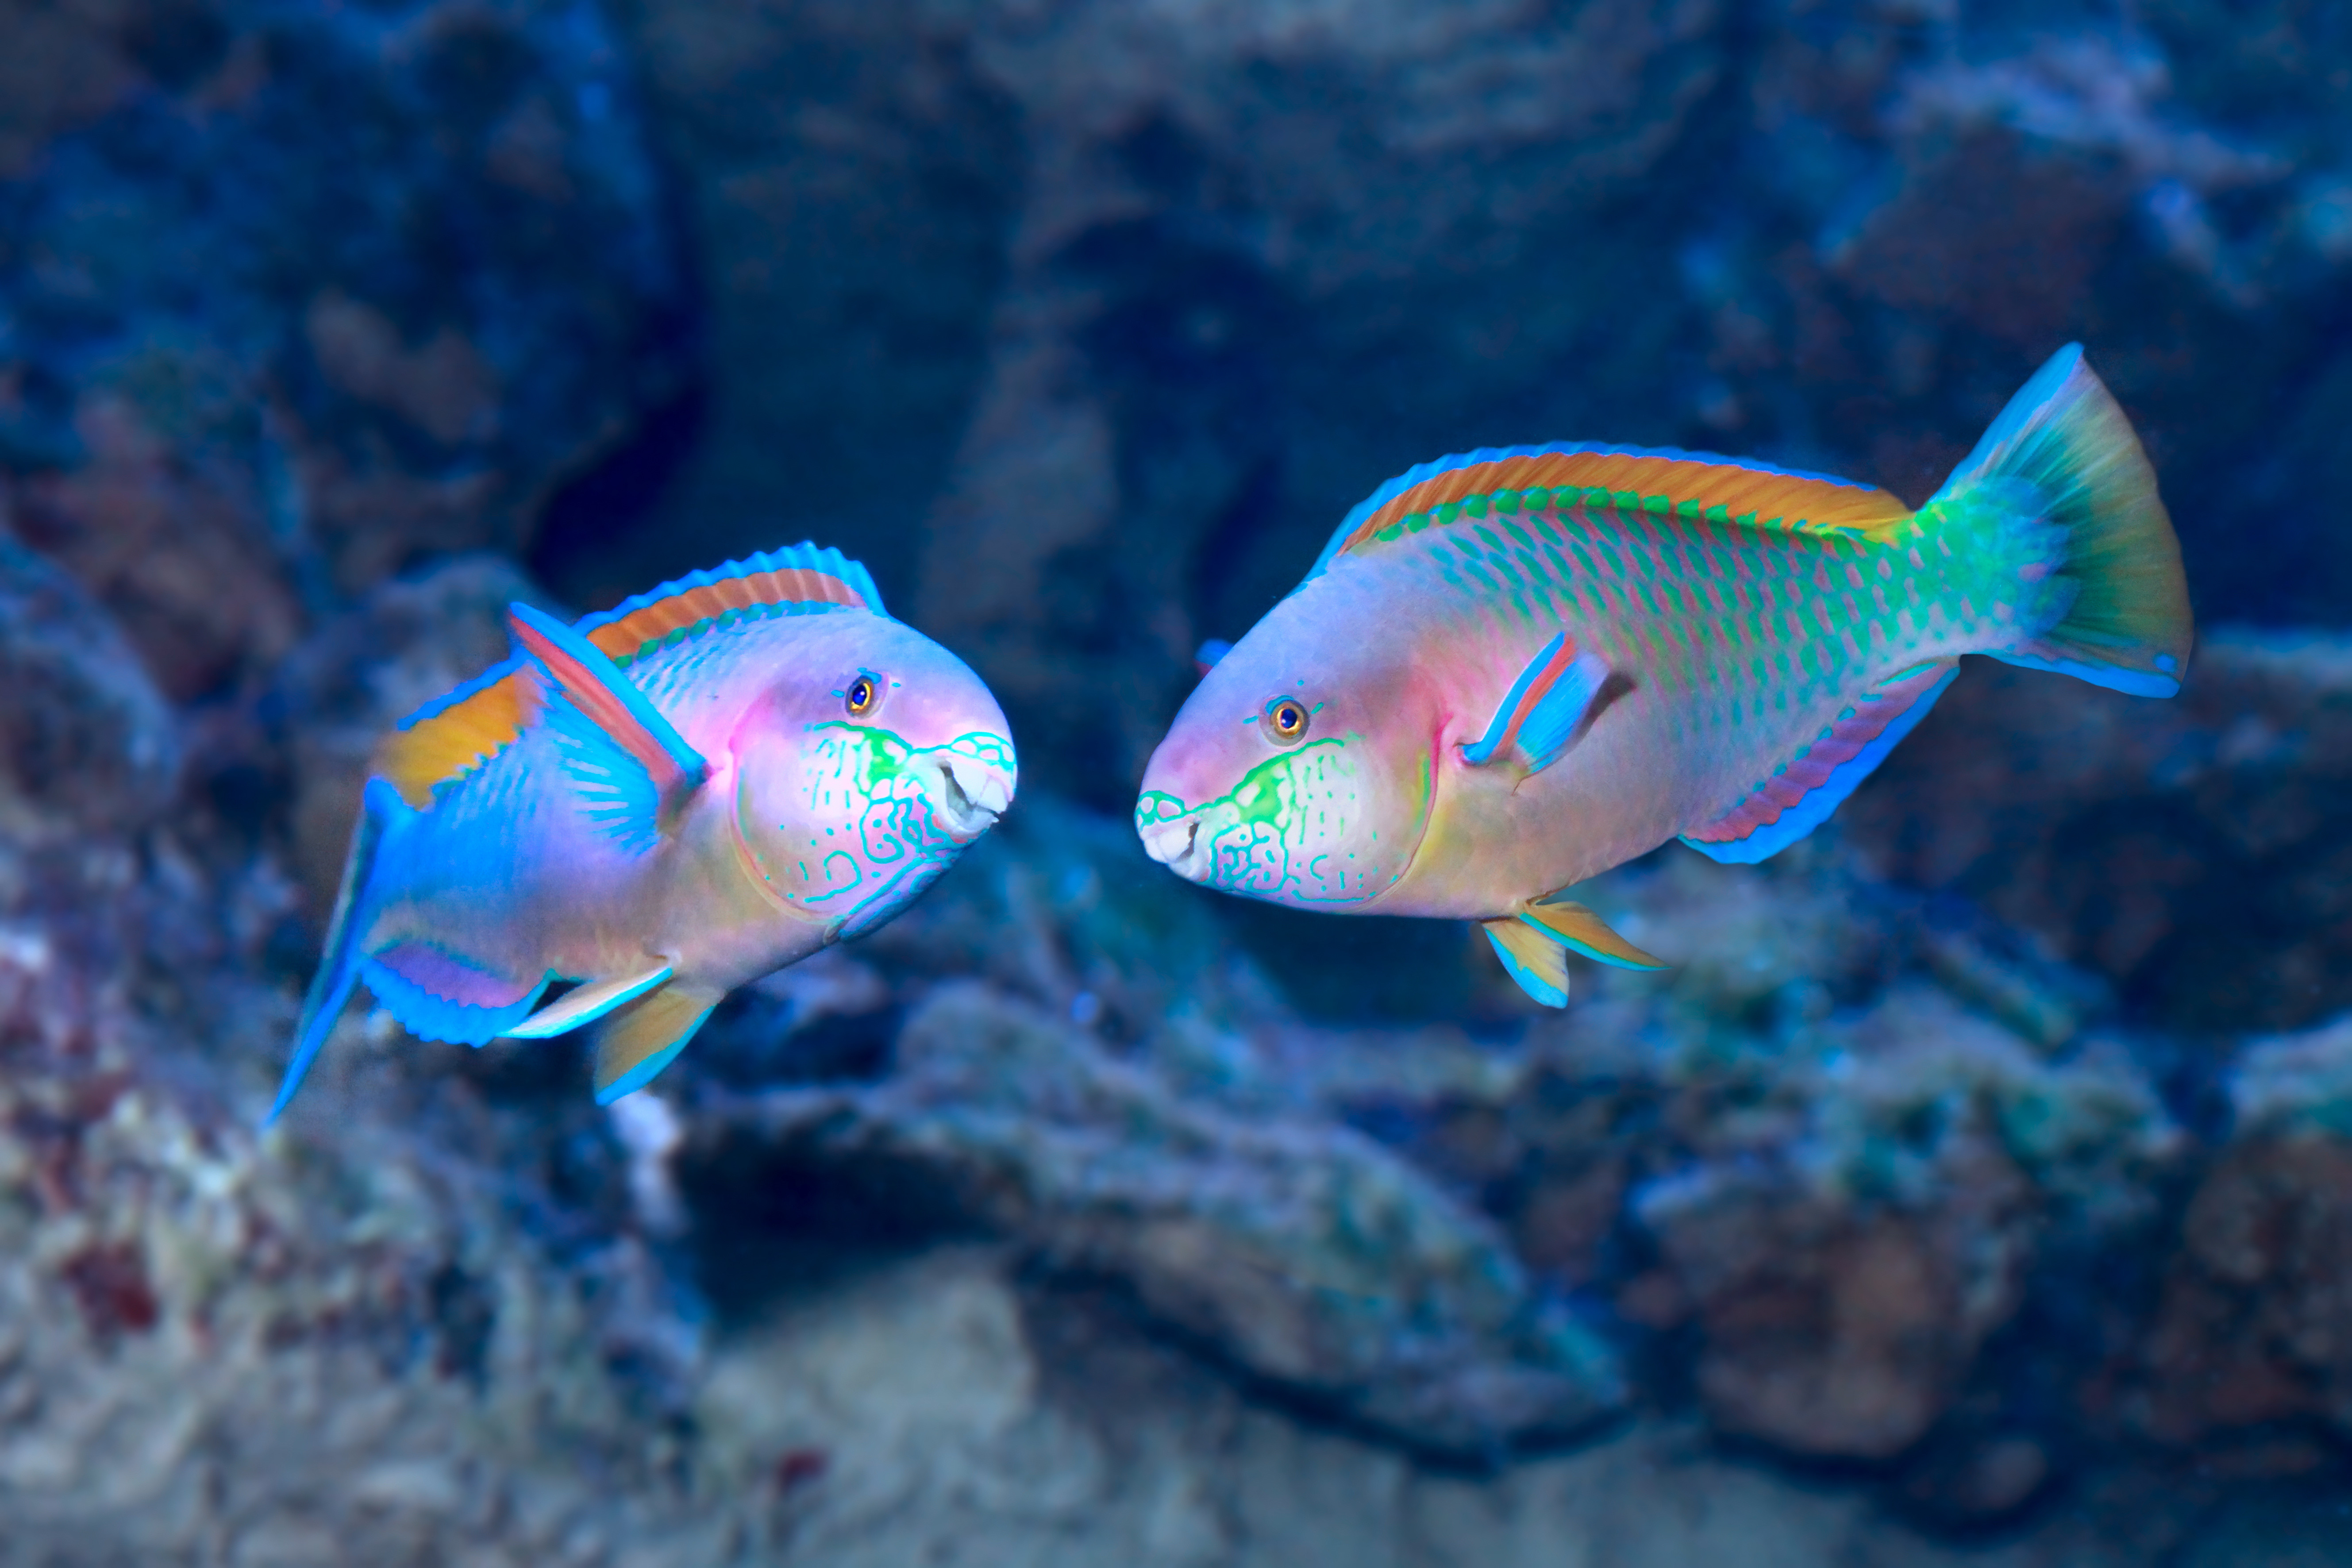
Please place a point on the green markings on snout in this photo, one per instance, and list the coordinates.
(1284, 831)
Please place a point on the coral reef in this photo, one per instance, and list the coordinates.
(1976, 1186)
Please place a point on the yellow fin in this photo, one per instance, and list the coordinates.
(588, 1004)
(637, 1039)
(463, 731)
(1539, 965)
(1587, 933)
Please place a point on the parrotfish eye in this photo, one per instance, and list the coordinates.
(1285, 722)
(861, 696)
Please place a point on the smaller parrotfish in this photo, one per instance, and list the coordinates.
(1513, 669)
(660, 803)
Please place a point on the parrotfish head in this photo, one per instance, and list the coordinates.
(866, 768)
(1300, 771)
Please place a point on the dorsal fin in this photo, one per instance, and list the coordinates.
(451, 736)
(800, 580)
(1656, 480)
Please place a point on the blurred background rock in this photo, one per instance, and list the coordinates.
(1977, 1187)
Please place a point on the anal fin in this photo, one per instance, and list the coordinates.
(440, 993)
(1800, 796)
(588, 1004)
(638, 1038)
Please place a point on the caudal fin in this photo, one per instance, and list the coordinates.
(339, 962)
(2062, 457)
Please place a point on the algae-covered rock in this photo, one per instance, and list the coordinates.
(1301, 1252)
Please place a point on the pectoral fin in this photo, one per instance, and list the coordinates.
(588, 1004)
(635, 1040)
(609, 700)
(1545, 709)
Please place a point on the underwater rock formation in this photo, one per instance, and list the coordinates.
(291, 294)
(2195, 853)
(1182, 288)
(1991, 1149)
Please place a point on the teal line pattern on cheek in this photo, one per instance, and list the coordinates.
(1280, 833)
(866, 821)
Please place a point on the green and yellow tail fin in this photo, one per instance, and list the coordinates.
(2061, 460)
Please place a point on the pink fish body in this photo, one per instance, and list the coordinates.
(1514, 669)
(663, 802)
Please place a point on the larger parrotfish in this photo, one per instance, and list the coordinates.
(1513, 669)
(660, 803)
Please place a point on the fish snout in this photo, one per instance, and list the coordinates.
(967, 795)
(1175, 844)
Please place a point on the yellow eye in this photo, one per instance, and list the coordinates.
(860, 698)
(1285, 722)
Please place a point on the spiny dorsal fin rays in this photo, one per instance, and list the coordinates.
(799, 580)
(1693, 485)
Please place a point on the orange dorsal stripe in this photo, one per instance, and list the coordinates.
(459, 739)
(623, 638)
(453, 742)
(1793, 500)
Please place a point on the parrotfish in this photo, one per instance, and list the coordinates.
(659, 802)
(1512, 670)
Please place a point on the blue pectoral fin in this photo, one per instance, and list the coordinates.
(635, 1041)
(596, 688)
(382, 811)
(1553, 720)
(1544, 709)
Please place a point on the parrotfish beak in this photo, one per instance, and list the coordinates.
(1175, 844)
(968, 787)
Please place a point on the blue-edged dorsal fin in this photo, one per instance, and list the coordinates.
(440, 994)
(588, 1004)
(799, 580)
(1804, 790)
(599, 692)
(1657, 480)
(637, 1039)
(1544, 709)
